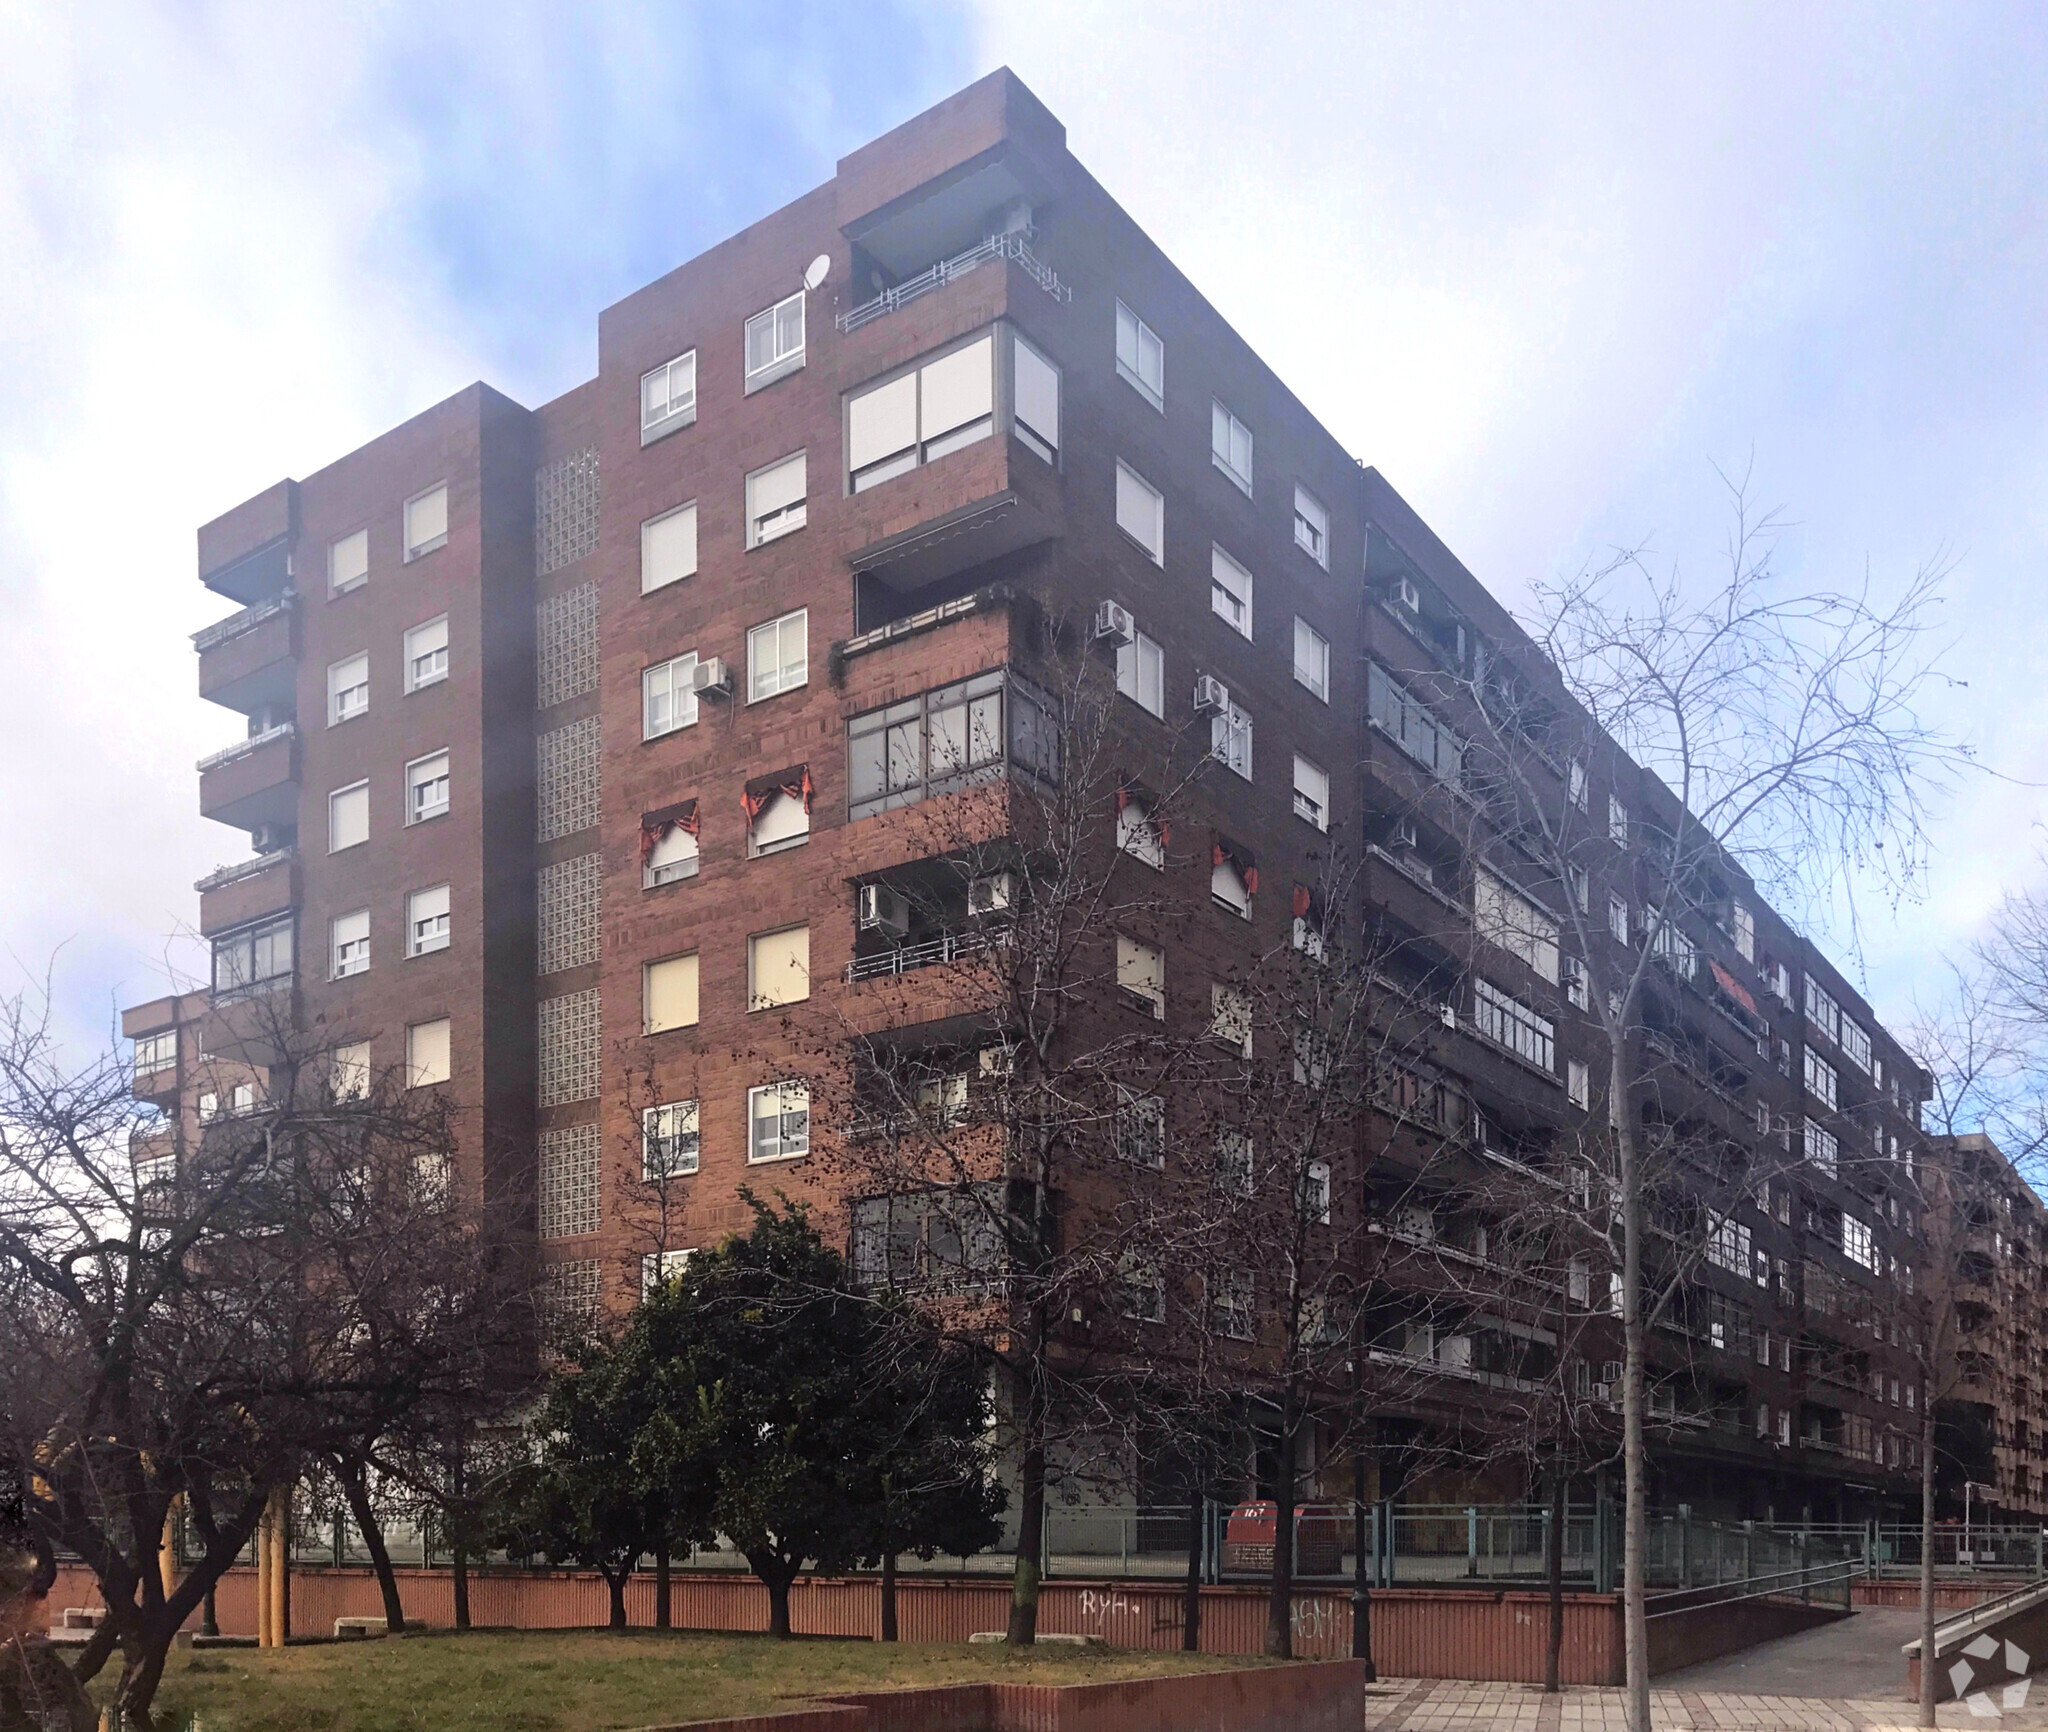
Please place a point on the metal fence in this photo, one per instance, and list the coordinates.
(1440, 1545)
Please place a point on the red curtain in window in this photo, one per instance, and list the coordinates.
(1242, 858)
(795, 783)
(656, 825)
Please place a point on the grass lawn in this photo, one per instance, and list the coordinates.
(584, 1680)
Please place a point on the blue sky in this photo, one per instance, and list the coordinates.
(1543, 265)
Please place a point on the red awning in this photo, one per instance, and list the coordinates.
(1733, 987)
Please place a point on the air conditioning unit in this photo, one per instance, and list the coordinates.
(995, 894)
(883, 910)
(1113, 621)
(1401, 834)
(1212, 696)
(711, 675)
(1403, 593)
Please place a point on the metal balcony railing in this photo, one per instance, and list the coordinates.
(242, 748)
(221, 631)
(222, 876)
(947, 947)
(937, 276)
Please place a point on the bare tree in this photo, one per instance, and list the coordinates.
(278, 1283)
(1655, 743)
(991, 1084)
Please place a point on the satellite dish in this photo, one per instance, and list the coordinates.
(814, 272)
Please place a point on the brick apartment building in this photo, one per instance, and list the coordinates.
(1994, 1420)
(564, 766)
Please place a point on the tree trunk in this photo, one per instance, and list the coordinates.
(777, 1581)
(209, 1619)
(142, 1672)
(1554, 1570)
(1635, 1521)
(1361, 1571)
(1927, 1619)
(1191, 1591)
(355, 1488)
(664, 1615)
(615, 1585)
(461, 1573)
(889, 1596)
(1280, 1590)
(98, 1650)
(1023, 1630)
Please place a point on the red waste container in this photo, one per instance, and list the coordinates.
(1318, 1539)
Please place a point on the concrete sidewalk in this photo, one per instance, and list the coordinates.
(1857, 1657)
(1437, 1705)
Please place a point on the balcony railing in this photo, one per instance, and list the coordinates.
(247, 620)
(242, 748)
(947, 947)
(937, 276)
(222, 876)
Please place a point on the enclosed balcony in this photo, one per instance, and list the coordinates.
(249, 661)
(253, 784)
(952, 463)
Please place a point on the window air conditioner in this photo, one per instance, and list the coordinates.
(1212, 696)
(1402, 834)
(1405, 594)
(883, 910)
(1113, 621)
(992, 895)
(711, 675)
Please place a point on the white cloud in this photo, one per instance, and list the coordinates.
(1543, 266)
(191, 308)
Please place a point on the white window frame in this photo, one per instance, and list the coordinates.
(687, 853)
(414, 679)
(338, 711)
(785, 1093)
(348, 1071)
(1228, 890)
(437, 935)
(658, 1268)
(1617, 918)
(1311, 526)
(1134, 959)
(1224, 431)
(773, 525)
(1139, 1129)
(1745, 933)
(336, 794)
(1575, 783)
(432, 543)
(1578, 1085)
(348, 956)
(667, 686)
(1230, 740)
(675, 1123)
(1154, 544)
(1230, 591)
(677, 515)
(415, 781)
(1315, 1200)
(340, 586)
(415, 1077)
(676, 380)
(1136, 341)
(1037, 440)
(785, 676)
(1311, 803)
(1138, 836)
(1230, 1017)
(756, 998)
(781, 360)
(1315, 677)
(1141, 673)
(1617, 822)
(773, 806)
(647, 969)
(928, 441)
(1822, 1080)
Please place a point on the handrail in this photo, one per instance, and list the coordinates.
(242, 748)
(222, 876)
(1807, 1576)
(248, 619)
(1969, 1619)
(1009, 246)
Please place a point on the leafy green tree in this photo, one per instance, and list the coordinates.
(810, 1424)
(582, 1500)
